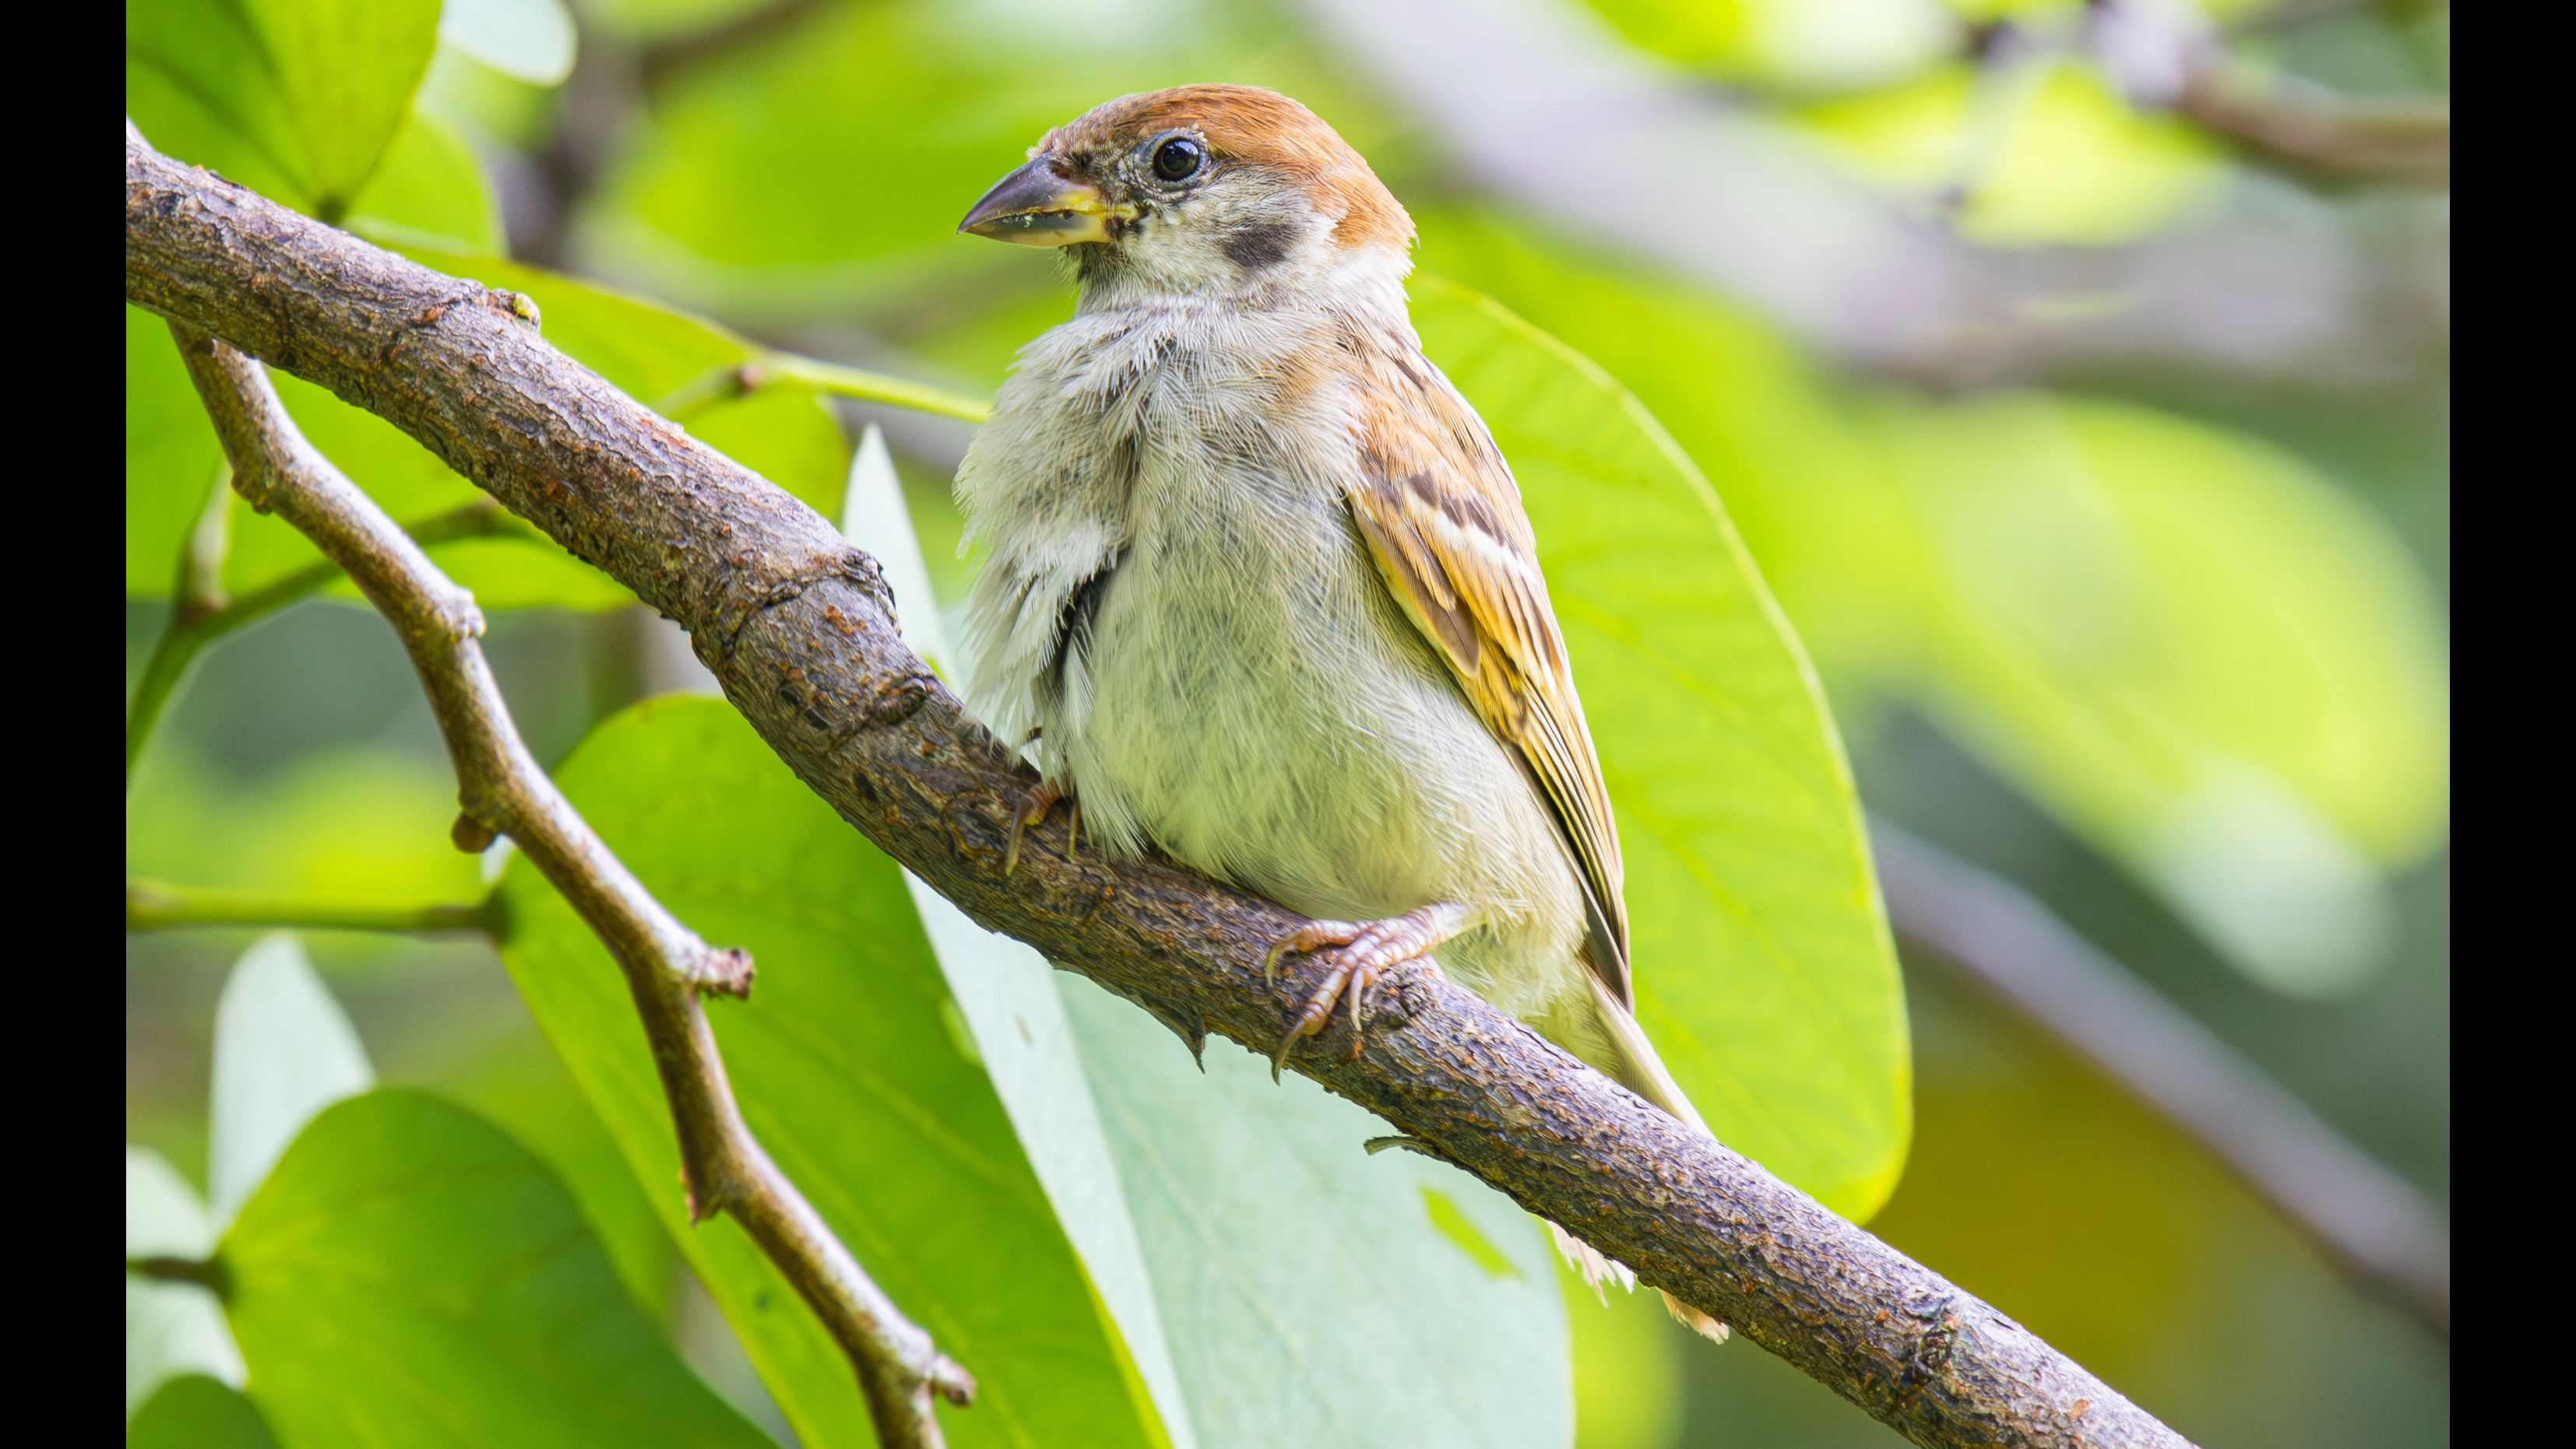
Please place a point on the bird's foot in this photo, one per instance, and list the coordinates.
(1357, 955)
(1033, 811)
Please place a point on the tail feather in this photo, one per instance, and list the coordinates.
(1642, 1072)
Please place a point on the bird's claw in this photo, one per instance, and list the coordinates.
(1360, 954)
(1030, 814)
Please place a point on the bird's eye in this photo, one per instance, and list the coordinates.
(1178, 159)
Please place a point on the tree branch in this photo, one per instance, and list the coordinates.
(2370, 1222)
(2172, 57)
(503, 792)
(798, 628)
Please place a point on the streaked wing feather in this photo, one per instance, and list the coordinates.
(1440, 513)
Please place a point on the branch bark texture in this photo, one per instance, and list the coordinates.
(503, 791)
(799, 629)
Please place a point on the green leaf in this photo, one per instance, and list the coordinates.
(283, 1052)
(429, 192)
(297, 99)
(846, 1068)
(520, 1085)
(530, 39)
(171, 1329)
(172, 462)
(193, 1411)
(411, 1275)
(1421, 1329)
(2198, 651)
(1790, 44)
(1763, 966)
(1312, 1292)
(729, 175)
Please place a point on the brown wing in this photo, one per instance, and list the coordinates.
(1441, 515)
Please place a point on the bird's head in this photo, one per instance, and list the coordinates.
(1198, 191)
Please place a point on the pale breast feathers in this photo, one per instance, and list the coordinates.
(1443, 520)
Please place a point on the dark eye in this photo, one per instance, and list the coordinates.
(1178, 158)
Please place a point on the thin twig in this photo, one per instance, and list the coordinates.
(2373, 1224)
(503, 792)
(201, 613)
(2169, 56)
(196, 596)
(798, 628)
(1544, 105)
(153, 905)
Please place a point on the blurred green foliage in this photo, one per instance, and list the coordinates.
(2190, 624)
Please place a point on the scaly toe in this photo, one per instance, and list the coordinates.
(1308, 937)
(1360, 954)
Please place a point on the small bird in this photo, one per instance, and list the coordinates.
(1259, 589)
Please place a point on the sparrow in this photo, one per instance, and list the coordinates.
(1257, 587)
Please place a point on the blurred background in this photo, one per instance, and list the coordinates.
(2077, 374)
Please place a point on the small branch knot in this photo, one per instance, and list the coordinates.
(721, 971)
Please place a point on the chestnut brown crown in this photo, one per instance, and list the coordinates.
(1195, 186)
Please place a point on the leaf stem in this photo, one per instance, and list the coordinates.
(853, 382)
(152, 905)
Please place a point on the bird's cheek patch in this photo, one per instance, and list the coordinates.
(1262, 244)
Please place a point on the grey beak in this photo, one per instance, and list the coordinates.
(1034, 206)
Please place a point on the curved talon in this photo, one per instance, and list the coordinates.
(1361, 953)
(1041, 800)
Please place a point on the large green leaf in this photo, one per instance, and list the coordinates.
(193, 1411)
(296, 99)
(1313, 1293)
(2196, 649)
(429, 192)
(1764, 971)
(851, 1065)
(410, 1275)
(2198, 652)
(283, 1052)
(1420, 1331)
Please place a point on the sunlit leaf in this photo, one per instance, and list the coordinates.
(409, 1275)
(172, 461)
(530, 39)
(1763, 967)
(1802, 44)
(297, 99)
(429, 192)
(2196, 649)
(1439, 1323)
(283, 1052)
(849, 1069)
